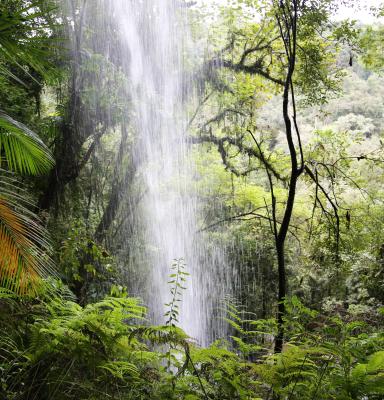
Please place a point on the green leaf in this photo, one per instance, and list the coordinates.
(24, 151)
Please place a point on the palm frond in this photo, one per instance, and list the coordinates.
(23, 36)
(24, 255)
(24, 151)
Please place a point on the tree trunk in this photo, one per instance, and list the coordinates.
(287, 25)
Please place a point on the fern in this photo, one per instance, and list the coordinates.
(121, 369)
(368, 378)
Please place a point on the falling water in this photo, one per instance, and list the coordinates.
(154, 49)
(155, 39)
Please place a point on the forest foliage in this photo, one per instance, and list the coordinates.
(286, 133)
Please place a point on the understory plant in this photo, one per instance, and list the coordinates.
(53, 348)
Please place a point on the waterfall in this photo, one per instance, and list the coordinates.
(154, 37)
(153, 48)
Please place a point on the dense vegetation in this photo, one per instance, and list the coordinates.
(287, 138)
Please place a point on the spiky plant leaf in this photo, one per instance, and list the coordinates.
(23, 150)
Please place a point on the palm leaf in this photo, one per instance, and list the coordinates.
(24, 255)
(24, 40)
(22, 262)
(24, 151)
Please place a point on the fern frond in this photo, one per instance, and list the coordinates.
(160, 334)
(120, 369)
